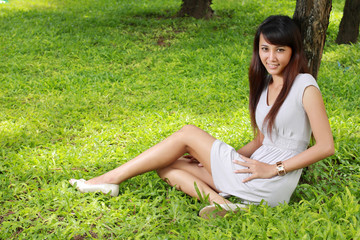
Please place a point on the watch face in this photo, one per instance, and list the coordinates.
(281, 170)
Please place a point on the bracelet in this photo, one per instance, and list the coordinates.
(280, 168)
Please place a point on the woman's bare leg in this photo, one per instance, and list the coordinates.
(184, 175)
(189, 139)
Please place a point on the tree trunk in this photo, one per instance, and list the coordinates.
(349, 25)
(313, 19)
(196, 8)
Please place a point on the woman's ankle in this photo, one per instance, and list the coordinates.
(103, 179)
(96, 180)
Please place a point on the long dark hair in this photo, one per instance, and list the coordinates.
(277, 30)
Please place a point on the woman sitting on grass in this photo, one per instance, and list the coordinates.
(285, 107)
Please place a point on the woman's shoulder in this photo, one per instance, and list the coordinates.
(303, 80)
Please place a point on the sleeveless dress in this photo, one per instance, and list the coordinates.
(290, 136)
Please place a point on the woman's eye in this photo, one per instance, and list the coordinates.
(281, 50)
(264, 48)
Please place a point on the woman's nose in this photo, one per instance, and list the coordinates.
(272, 55)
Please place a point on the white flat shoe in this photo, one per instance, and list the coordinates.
(105, 188)
(220, 209)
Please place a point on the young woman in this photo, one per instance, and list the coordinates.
(285, 108)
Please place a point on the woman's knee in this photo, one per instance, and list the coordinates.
(189, 131)
(165, 171)
(162, 172)
(189, 128)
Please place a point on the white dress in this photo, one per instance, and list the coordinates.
(291, 135)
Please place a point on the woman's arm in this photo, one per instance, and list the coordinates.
(324, 146)
(252, 146)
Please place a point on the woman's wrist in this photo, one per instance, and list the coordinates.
(274, 171)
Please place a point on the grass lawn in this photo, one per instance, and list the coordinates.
(86, 85)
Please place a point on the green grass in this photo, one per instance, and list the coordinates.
(87, 85)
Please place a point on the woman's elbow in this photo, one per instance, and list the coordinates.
(329, 149)
(325, 149)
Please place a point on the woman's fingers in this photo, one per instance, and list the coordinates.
(256, 168)
(190, 158)
(249, 178)
(193, 160)
(242, 163)
(245, 170)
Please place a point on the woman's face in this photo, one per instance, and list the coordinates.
(274, 57)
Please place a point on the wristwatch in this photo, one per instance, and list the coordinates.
(280, 168)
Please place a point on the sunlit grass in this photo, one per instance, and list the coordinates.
(87, 85)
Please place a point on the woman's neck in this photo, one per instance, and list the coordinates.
(277, 81)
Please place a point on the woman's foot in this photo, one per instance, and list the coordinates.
(214, 210)
(105, 188)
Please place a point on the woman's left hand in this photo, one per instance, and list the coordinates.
(256, 168)
(192, 160)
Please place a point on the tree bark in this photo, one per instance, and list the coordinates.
(196, 8)
(349, 25)
(312, 17)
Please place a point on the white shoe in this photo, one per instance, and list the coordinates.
(220, 209)
(105, 188)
